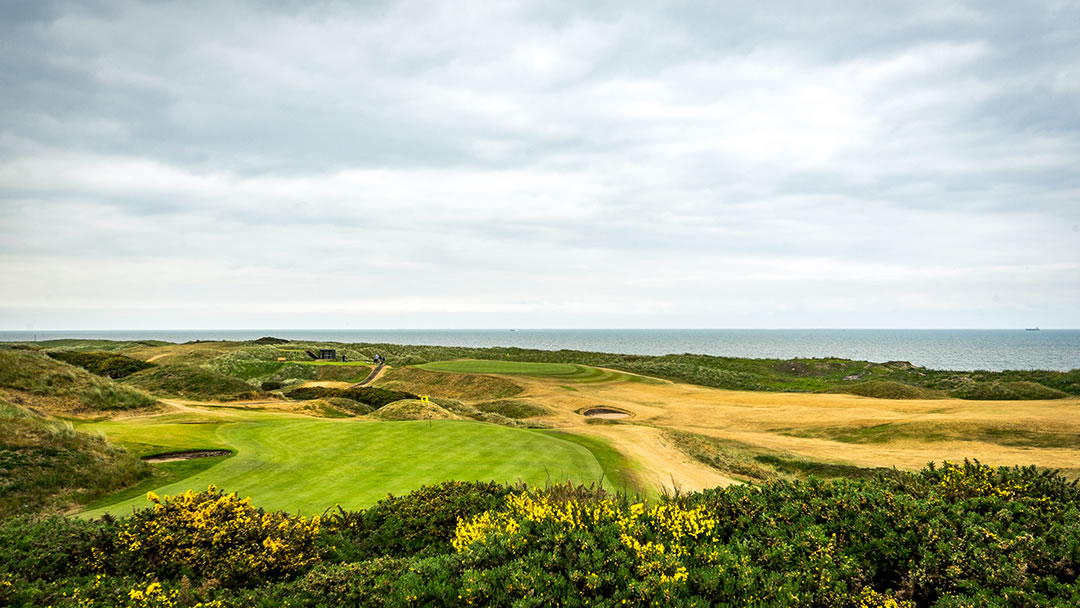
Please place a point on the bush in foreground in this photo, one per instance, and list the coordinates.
(957, 535)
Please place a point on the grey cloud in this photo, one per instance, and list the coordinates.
(675, 154)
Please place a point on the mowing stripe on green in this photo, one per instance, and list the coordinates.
(307, 466)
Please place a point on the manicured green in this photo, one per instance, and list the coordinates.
(302, 465)
(472, 366)
(559, 371)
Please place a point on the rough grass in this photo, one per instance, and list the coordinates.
(32, 379)
(795, 375)
(346, 372)
(163, 473)
(619, 471)
(1007, 391)
(82, 345)
(46, 466)
(414, 409)
(472, 412)
(328, 408)
(193, 382)
(930, 432)
(309, 464)
(760, 464)
(452, 385)
(101, 363)
(513, 408)
(729, 457)
(891, 389)
(348, 406)
(373, 396)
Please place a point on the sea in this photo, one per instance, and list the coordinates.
(947, 349)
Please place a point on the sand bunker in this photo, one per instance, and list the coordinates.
(188, 455)
(605, 412)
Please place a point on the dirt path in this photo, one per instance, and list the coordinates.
(372, 377)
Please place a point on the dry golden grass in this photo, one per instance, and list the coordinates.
(466, 387)
(811, 426)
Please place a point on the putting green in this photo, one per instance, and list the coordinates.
(306, 466)
(566, 372)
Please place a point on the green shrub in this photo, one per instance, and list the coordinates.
(193, 382)
(420, 523)
(948, 536)
(111, 365)
(51, 548)
(890, 389)
(374, 397)
(270, 340)
(1006, 391)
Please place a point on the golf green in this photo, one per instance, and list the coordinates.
(307, 466)
(564, 372)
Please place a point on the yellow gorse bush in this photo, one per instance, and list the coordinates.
(217, 534)
(659, 537)
(976, 480)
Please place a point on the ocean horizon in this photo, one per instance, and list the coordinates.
(947, 349)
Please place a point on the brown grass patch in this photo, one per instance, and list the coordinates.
(414, 409)
(467, 387)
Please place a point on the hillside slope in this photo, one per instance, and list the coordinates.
(32, 379)
(45, 465)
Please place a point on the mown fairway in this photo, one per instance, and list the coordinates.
(557, 371)
(306, 465)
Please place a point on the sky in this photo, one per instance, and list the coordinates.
(218, 165)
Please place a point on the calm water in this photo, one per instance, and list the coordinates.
(933, 348)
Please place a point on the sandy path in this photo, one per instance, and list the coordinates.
(373, 376)
(327, 384)
(666, 468)
(761, 419)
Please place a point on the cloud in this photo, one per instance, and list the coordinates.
(540, 164)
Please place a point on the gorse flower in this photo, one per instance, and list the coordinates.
(216, 534)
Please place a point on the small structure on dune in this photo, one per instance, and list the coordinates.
(325, 354)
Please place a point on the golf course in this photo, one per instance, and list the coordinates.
(305, 466)
(304, 435)
(267, 472)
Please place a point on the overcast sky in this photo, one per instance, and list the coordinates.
(539, 164)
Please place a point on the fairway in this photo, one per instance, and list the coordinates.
(305, 466)
(558, 371)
